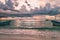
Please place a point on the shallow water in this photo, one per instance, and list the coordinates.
(28, 34)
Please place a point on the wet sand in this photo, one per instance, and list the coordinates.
(25, 34)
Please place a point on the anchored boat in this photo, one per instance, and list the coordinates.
(55, 23)
(5, 22)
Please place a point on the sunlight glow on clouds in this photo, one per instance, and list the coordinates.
(32, 4)
(3, 1)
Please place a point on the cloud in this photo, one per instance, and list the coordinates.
(16, 5)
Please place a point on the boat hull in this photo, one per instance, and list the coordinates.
(4, 23)
(55, 23)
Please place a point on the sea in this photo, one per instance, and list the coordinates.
(16, 33)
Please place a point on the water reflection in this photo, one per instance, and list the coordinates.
(35, 21)
(30, 23)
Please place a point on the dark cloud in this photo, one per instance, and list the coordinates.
(43, 10)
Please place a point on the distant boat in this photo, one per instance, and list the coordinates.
(55, 23)
(4, 23)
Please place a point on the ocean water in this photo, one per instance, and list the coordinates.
(16, 33)
(29, 24)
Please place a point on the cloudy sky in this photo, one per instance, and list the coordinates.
(29, 4)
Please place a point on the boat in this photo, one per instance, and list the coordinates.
(55, 23)
(5, 22)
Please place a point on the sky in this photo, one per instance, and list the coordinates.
(32, 4)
